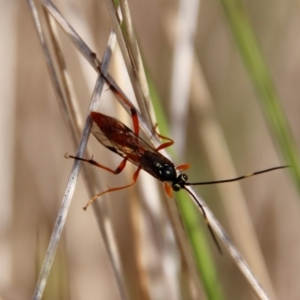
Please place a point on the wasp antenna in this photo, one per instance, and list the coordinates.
(269, 170)
(237, 178)
(207, 222)
(67, 155)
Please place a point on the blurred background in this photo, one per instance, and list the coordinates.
(218, 126)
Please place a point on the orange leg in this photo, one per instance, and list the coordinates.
(163, 145)
(170, 142)
(134, 116)
(118, 170)
(134, 179)
(133, 111)
(168, 189)
(183, 167)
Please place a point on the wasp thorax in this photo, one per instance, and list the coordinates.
(167, 172)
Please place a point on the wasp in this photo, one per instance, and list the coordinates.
(120, 139)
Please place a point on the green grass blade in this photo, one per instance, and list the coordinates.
(190, 216)
(253, 58)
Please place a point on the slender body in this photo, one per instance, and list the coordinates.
(120, 139)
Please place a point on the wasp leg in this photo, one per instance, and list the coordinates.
(134, 179)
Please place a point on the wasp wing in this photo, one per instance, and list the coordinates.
(120, 139)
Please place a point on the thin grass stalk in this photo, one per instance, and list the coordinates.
(186, 25)
(91, 58)
(129, 62)
(66, 83)
(204, 261)
(73, 178)
(189, 250)
(134, 53)
(131, 43)
(55, 81)
(228, 244)
(210, 131)
(72, 181)
(190, 263)
(133, 48)
(236, 255)
(106, 232)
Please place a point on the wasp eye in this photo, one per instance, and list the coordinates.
(176, 187)
(184, 177)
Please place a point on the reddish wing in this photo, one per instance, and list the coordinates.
(120, 139)
(117, 137)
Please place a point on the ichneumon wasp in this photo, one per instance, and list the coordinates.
(127, 143)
